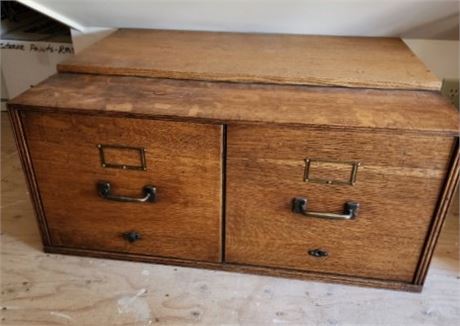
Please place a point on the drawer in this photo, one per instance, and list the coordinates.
(75, 156)
(396, 179)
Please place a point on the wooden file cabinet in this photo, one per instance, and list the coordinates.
(312, 157)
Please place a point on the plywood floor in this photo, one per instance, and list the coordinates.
(44, 289)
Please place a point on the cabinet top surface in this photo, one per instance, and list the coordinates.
(419, 111)
(358, 62)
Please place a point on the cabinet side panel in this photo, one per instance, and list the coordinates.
(440, 216)
(23, 150)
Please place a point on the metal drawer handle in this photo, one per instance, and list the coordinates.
(104, 190)
(300, 204)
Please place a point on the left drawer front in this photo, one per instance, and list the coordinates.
(181, 160)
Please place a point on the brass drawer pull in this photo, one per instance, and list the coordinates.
(318, 253)
(104, 190)
(299, 205)
(131, 236)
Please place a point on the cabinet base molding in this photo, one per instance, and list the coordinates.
(246, 269)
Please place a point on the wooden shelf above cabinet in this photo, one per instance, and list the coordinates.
(357, 62)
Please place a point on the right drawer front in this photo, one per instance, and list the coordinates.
(396, 179)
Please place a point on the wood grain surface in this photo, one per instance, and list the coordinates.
(228, 102)
(284, 59)
(398, 186)
(49, 289)
(183, 163)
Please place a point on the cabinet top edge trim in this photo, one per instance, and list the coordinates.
(421, 111)
(115, 114)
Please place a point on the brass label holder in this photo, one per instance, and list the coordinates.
(354, 165)
(105, 164)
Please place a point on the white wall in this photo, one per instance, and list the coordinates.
(410, 19)
(407, 18)
(440, 56)
(81, 40)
